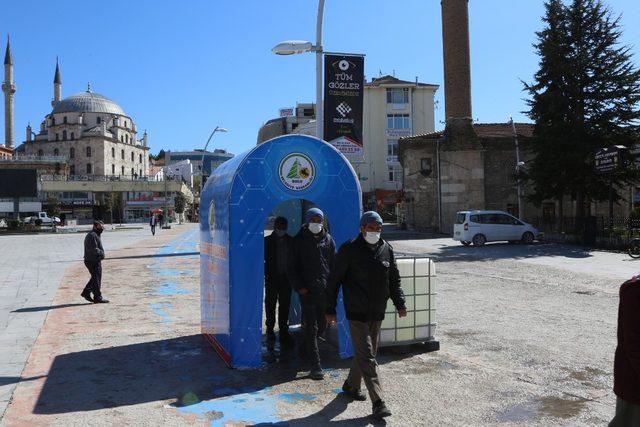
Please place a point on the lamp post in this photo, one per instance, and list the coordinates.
(292, 47)
(519, 165)
(204, 152)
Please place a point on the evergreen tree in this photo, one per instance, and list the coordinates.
(585, 97)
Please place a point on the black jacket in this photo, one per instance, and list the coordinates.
(626, 368)
(369, 276)
(271, 252)
(311, 261)
(93, 247)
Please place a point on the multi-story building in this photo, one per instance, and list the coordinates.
(393, 109)
(212, 159)
(182, 170)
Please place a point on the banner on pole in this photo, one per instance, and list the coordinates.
(343, 100)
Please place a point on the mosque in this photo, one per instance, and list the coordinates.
(92, 132)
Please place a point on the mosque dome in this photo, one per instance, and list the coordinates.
(88, 102)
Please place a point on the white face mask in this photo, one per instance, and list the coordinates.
(371, 237)
(315, 228)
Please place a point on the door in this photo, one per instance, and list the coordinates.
(510, 227)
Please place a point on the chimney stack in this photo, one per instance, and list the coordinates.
(457, 74)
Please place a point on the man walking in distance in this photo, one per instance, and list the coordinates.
(626, 370)
(152, 223)
(313, 253)
(366, 269)
(93, 256)
(277, 250)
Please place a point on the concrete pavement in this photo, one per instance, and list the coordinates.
(31, 268)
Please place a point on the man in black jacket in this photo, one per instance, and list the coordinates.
(277, 250)
(367, 271)
(93, 256)
(313, 253)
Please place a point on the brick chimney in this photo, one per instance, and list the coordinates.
(457, 73)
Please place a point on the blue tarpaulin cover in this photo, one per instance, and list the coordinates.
(235, 203)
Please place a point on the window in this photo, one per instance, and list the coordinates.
(394, 174)
(398, 121)
(73, 136)
(88, 151)
(88, 168)
(57, 137)
(72, 170)
(121, 138)
(133, 156)
(461, 218)
(126, 124)
(398, 96)
(72, 153)
(40, 153)
(140, 172)
(425, 166)
(56, 152)
(113, 152)
(548, 212)
(64, 135)
(140, 158)
(122, 170)
(113, 169)
(98, 120)
(392, 147)
(122, 154)
(53, 120)
(64, 119)
(475, 218)
(132, 172)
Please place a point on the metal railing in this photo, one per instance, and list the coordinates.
(29, 159)
(102, 178)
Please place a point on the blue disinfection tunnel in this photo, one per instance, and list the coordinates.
(233, 210)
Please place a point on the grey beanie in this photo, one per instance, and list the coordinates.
(370, 216)
(311, 213)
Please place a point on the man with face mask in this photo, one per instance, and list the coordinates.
(366, 269)
(277, 249)
(312, 258)
(93, 256)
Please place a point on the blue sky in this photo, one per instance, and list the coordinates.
(181, 68)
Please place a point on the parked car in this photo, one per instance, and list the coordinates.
(479, 227)
(46, 219)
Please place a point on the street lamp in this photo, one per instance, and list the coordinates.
(293, 47)
(519, 165)
(204, 151)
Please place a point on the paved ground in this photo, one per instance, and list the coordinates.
(31, 268)
(527, 336)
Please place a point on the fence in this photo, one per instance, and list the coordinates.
(596, 231)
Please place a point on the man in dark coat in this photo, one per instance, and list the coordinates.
(93, 256)
(277, 250)
(626, 370)
(366, 269)
(313, 253)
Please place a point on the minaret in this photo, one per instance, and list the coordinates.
(9, 89)
(57, 86)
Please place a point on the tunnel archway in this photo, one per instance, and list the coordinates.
(234, 206)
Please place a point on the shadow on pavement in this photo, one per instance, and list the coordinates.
(185, 370)
(13, 380)
(48, 307)
(496, 251)
(153, 255)
(334, 408)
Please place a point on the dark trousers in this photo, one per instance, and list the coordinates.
(93, 285)
(364, 337)
(627, 414)
(277, 291)
(313, 316)
(153, 229)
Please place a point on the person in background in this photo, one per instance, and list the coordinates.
(366, 269)
(152, 223)
(93, 256)
(626, 369)
(312, 257)
(277, 250)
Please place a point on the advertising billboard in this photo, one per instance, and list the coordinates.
(18, 183)
(343, 103)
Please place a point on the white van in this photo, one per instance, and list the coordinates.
(479, 227)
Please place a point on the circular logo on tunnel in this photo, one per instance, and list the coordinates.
(297, 172)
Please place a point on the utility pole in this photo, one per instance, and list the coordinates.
(519, 164)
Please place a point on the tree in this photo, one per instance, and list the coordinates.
(179, 203)
(111, 202)
(585, 96)
(53, 207)
(160, 155)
